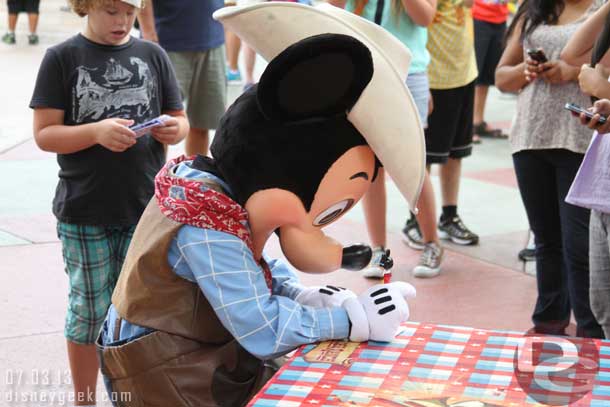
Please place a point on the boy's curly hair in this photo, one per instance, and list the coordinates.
(82, 7)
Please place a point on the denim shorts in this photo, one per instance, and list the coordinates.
(420, 90)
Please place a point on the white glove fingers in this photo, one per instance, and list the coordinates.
(386, 308)
(380, 297)
(360, 325)
(328, 289)
(406, 289)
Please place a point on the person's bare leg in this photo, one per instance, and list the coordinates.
(12, 22)
(430, 261)
(197, 142)
(450, 173)
(249, 62)
(374, 205)
(233, 45)
(426, 217)
(33, 22)
(480, 98)
(457, 232)
(84, 367)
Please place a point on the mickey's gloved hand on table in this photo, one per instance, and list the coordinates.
(378, 312)
(324, 296)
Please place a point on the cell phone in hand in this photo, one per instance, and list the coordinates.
(577, 109)
(537, 54)
(143, 128)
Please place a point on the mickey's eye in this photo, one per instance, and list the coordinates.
(333, 212)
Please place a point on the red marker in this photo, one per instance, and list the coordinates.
(387, 276)
(387, 263)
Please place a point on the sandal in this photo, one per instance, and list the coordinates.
(484, 131)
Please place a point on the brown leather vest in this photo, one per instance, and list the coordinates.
(150, 294)
(191, 360)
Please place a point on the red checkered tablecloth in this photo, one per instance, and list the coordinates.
(436, 365)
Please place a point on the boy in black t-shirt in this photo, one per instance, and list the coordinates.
(90, 89)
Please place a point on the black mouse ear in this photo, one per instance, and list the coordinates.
(322, 75)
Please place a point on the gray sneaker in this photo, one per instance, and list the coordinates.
(9, 38)
(411, 235)
(374, 269)
(33, 39)
(454, 229)
(430, 261)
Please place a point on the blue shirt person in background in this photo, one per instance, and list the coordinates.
(194, 42)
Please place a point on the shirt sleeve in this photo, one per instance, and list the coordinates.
(172, 97)
(266, 324)
(285, 281)
(49, 90)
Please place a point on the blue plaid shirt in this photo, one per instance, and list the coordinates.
(267, 324)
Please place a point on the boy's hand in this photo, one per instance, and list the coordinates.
(115, 135)
(592, 79)
(169, 133)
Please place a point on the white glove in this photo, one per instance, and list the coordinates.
(384, 309)
(359, 324)
(328, 296)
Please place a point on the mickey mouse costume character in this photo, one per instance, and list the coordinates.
(199, 311)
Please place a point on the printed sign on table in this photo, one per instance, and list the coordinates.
(436, 365)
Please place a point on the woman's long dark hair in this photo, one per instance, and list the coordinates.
(534, 13)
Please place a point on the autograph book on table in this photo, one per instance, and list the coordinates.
(437, 365)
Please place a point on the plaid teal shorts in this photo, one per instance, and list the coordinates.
(93, 257)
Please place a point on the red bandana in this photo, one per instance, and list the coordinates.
(191, 202)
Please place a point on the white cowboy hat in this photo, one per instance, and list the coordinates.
(385, 113)
(135, 3)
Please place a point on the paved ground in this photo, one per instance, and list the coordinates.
(484, 286)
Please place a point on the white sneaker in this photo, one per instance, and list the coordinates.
(374, 270)
(430, 261)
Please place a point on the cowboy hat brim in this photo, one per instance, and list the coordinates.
(135, 3)
(385, 113)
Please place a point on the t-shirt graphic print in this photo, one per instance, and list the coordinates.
(116, 91)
